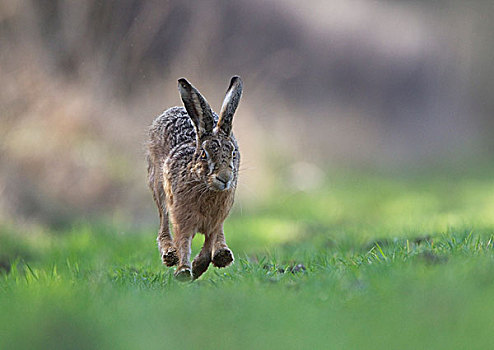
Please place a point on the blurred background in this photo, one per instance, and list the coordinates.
(388, 86)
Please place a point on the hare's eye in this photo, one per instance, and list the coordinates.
(234, 154)
(204, 155)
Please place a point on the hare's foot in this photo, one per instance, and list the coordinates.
(200, 265)
(169, 256)
(183, 274)
(222, 257)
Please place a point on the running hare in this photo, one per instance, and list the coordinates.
(193, 162)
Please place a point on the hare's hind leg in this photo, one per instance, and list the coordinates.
(222, 255)
(164, 239)
(183, 240)
(165, 244)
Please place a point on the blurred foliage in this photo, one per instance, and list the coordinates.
(380, 85)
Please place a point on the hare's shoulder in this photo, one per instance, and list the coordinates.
(179, 158)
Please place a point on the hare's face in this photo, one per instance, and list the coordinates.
(218, 161)
(216, 157)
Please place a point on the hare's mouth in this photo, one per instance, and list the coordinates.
(218, 184)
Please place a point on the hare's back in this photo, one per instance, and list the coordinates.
(170, 129)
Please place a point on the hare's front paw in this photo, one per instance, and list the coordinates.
(183, 274)
(200, 265)
(169, 256)
(222, 257)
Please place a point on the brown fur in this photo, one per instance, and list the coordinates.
(193, 166)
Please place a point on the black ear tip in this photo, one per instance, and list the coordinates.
(236, 79)
(237, 82)
(183, 82)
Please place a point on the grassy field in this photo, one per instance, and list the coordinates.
(361, 263)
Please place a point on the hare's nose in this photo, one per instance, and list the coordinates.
(225, 176)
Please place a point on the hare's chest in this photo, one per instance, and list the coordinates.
(214, 211)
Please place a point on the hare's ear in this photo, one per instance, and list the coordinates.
(197, 107)
(230, 105)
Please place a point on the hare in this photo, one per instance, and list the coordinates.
(193, 163)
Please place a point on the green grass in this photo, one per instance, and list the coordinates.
(389, 264)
